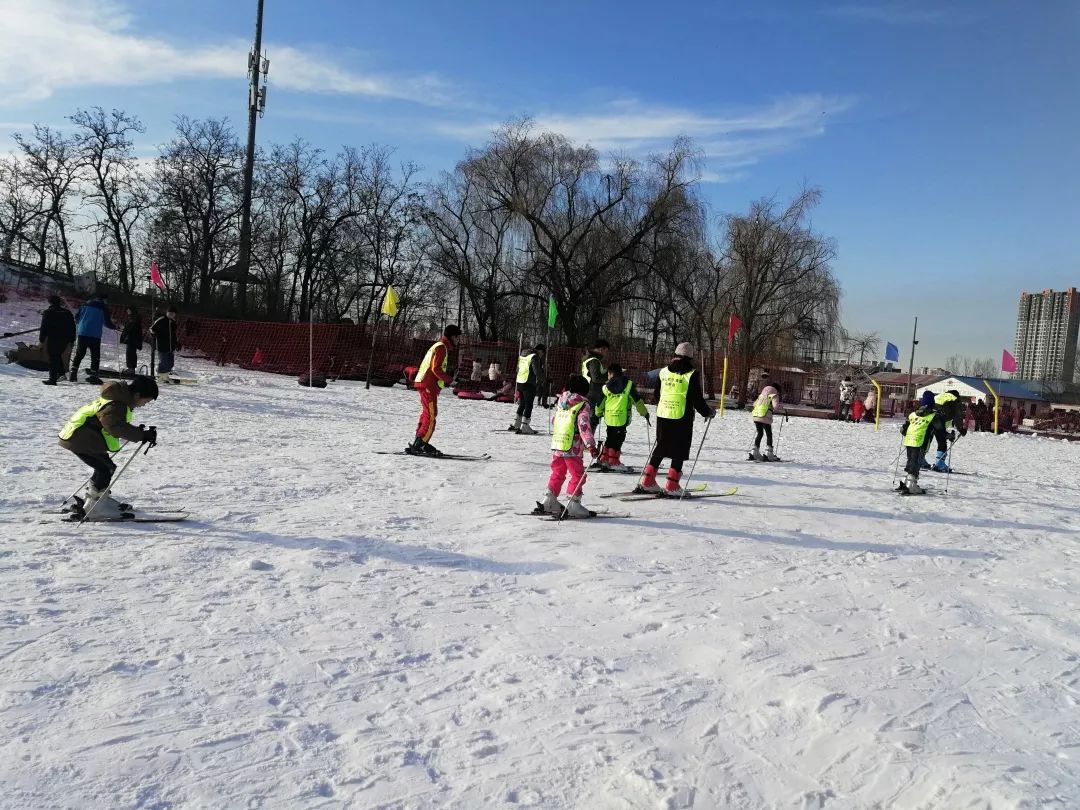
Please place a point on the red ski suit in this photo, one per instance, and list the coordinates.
(435, 379)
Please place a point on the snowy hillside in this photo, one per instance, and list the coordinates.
(335, 628)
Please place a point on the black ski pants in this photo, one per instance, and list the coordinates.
(657, 458)
(132, 356)
(915, 460)
(91, 343)
(55, 351)
(103, 468)
(763, 429)
(526, 396)
(614, 438)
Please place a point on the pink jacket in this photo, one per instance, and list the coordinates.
(584, 437)
(768, 392)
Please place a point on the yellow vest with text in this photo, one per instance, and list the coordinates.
(86, 412)
(564, 427)
(762, 405)
(945, 399)
(673, 390)
(524, 366)
(425, 366)
(918, 425)
(617, 407)
(585, 369)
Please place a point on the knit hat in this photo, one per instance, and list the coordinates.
(685, 350)
(578, 385)
(927, 399)
(452, 331)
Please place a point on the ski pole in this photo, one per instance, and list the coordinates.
(693, 466)
(948, 463)
(16, 334)
(87, 481)
(115, 478)
(896, 465)
(577, 491)
(780, 435)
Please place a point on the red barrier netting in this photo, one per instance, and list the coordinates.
(342, 351)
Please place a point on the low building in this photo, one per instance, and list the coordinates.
(1024, 394)
(894, 384)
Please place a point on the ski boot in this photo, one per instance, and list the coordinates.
(615, 464)
(74, 375)
(770, 455)
(574, 509)
(514, 428)
(940, 464)
(673, 489)
(755, 455)
(912, 487)
(647, 485)
(417, 447)
(49, 382)
(550, 505)
(163, 377)
(526, 429)
(100, 506)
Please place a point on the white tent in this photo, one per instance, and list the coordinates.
(966, 390)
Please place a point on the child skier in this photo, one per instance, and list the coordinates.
(571, 432)
(917, 431)
(764, 407)
(95, 430)
(680, 397)
(619, 394)
(530, 371)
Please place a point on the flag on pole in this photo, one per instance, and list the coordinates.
(1008, 362)
(553, 312)
(390, 303)
(155, 277)
(892, 354)
(733, 326)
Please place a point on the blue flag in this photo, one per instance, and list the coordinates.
(892, 354)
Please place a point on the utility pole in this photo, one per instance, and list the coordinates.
(257, 68)
(911, 363)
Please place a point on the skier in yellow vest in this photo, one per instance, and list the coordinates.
(918, 430)
(594, 371)
(619, 395)
(431, 378)
(764, 406)
(681, 395)
(529, 373)
(95, 430)
(571, 433)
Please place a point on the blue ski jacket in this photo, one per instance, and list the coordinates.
(92, 318)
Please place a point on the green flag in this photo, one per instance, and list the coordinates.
(553, 312)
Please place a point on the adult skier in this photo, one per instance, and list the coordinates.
(571, 433)
(93, 317)
(132, 338)
(848, 392)
(94, 432)
(57, 333)
(917, 431)
(950, 408)
(619, 395)
(530, 371)
(431, 379)
(767, 402)
(594, 371)
(681, 395)
(166, 340)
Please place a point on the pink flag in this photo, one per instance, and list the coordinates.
(1008, 362)
(155, 276)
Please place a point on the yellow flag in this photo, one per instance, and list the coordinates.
(390, 302)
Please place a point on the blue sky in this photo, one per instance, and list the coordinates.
(944, 135)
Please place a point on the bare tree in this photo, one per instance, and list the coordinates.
(107, 157)
(22, 207)
(780, 275)
(52, 161)
(868, 343)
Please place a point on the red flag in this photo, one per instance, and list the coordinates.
(733, 326)
(155, 276)
(1008, 362)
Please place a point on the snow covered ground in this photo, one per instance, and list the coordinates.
(336, 628)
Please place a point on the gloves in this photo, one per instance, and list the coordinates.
(952, 435)
(711, 414)
(963, 431)
(149, 435)
(648, 419)
(594, 451)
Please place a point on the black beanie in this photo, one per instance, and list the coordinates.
(578, 385)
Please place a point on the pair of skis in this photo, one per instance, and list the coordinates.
(692, 494)
(440, 457)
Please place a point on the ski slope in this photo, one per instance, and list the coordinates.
(335, 628)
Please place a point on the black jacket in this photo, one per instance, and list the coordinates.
(57, 326)
(673, 436)
(132, 334)
(164, 332)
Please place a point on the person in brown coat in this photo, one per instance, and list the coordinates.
(94, 432)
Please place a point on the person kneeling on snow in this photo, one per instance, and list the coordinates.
(680, 397)
(94, 432)
(619, 395)
(571, 432)
(917, 430)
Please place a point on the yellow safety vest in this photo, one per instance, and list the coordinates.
(945, 399)
(524, 367)
(762, 405)
(425, 366)
(673, 390)
(617, 407)
(84, 413)
(585, 369)
(564, 427)
(918, 425)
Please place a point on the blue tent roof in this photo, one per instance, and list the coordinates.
(1008, 389)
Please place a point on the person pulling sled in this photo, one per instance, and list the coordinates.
(571, 433)
(94, 432)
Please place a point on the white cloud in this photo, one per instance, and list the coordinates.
(48, 45)
(729, 140)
